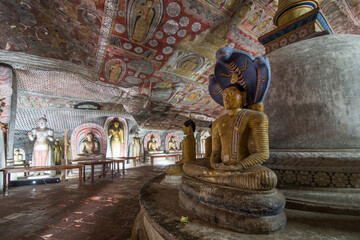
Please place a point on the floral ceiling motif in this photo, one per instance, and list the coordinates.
(160, 51)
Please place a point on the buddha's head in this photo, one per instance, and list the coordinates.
(42, 122)
(149, 3)
(136, 135)
(234, 97)
(90, 136)
(17, 151)
(189, 127)
(116, 124)
(172, 139)
(57, 142)
(153, 139)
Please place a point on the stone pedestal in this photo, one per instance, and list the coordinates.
(240, 210)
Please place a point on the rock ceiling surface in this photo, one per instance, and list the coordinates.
(160, 52)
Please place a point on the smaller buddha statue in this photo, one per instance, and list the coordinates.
(188, 149)
(18, 157)
(69, 154)
(42, 151)
(136, 146)
(152, 145)
(172, 144)
(57, 152)
(89, 147)
(208, 144)
(116, 137)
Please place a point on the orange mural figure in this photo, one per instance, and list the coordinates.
(115, 71)
(144, 16)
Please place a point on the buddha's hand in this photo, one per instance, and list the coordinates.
(221, 166)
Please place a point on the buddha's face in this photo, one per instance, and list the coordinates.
(116, 124)
(56, 143)
(232, 98)
(153, 139)
(172, 139)
(89, 137)
(187, 130)
(136, 135)
(41, 123)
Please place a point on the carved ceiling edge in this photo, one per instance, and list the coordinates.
(18, 60)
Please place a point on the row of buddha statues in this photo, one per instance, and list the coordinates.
(46, 154)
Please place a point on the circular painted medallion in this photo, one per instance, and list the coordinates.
(127, 46)
(170, 40)
(182, 33)
(119, 28)
(196, 27)
(159, 35)
(159, 57)
(153, 43)
(167, 50)
(171, 27)
(138, 50)
(184, 21)
(173, 9)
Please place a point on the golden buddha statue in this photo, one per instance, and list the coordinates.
(136, 146)
(57, 152)
(188, 149)
(69, 154)
(208, 144)
(18, 158)
(172, 144)
(239, 145)
(89, 146)
(152, 145)
(116, 137)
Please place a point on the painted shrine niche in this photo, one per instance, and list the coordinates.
(117, 132)
(152, 142)
(19, 156)
(172, 142)
(202, 138)
(88, 140)
(5, 93)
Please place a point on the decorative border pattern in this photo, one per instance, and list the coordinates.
(319, 178)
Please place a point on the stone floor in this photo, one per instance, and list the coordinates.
(105, 209)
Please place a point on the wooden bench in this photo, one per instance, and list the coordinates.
(92, 163)
(8, 170)
(153, 156)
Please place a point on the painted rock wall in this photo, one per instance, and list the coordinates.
(313, 100)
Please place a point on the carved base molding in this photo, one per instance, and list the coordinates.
(318, 180)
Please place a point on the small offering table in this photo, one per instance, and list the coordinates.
(8, 170)
(128, 158)
(122, 161)
(92, 163)
(153, 156)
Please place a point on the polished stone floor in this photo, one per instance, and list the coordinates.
(105, 209)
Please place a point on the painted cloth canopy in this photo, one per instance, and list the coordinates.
(253, 74)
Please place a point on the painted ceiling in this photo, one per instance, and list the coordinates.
(159, 53)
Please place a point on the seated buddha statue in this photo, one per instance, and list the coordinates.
(239, 145)
(188, 149)
(172, 145)
(152, 145)
(89, 147)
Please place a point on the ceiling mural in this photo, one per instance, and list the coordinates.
(61, 29)
(157, 53)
